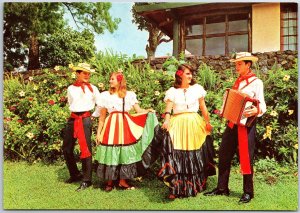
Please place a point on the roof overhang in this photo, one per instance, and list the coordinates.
(162, 15)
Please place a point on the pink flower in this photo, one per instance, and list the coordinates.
(7, 119)
(51, 102)
(179, 72)
(57, 91)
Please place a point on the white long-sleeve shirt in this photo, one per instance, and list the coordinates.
(80, 101)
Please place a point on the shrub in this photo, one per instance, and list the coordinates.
(35, 111)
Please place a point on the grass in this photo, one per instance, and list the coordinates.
(40, 186)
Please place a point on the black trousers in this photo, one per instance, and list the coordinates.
(68, 149)
(228, 147)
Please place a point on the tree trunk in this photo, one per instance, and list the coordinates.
(155, 39)
(153, 42)
(34, 53)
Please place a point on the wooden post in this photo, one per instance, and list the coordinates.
(249, 33)
(204, 37)
(182, 36)
(175, 37)
(226, 35)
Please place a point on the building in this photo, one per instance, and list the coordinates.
(205, 29)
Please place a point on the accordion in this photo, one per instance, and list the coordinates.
(235, 103)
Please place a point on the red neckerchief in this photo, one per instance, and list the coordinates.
(81, 84)
(243, 132)
(243, 78)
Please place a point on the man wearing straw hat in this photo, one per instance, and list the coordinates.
(238, 136)
(82, 97)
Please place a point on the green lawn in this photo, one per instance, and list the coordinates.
(41, 186)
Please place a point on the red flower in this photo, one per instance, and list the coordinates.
(216, 111)
(20, 121)
(57, 91)
(51, 102)
(179, 72)
(119, 77)
(163, 115)
(62, 99)
(12, 108)
(30, 98)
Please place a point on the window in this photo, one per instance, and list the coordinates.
(289, 26)
(215, 34)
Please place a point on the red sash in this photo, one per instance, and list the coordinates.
(242, 132)
(79, 133)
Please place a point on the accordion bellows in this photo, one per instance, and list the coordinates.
(235, 104)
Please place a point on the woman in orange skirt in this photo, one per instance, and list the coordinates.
(187, 154)
(125, 149)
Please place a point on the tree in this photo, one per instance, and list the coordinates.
(28, 24)
(67, 46)
(156, 36)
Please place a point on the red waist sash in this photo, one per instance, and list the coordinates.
(79, 133)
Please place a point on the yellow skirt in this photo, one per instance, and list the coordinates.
(187, 131)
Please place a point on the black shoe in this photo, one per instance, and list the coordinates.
(83, 186)
(217, 191)
(73, 179)
(246, 198)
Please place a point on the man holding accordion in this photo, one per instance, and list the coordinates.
(242, 104)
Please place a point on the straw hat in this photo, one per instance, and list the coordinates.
(83, 67)
(244, 56)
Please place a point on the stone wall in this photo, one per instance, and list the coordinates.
(266, 61)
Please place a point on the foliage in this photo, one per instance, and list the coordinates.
(67, 46)
(171, 64)
(276, 129)
(21, 20)
(279, 128)
(26, 25)
(34, 114)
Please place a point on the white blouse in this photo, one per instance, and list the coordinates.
(80, 101)
(185, 100)
(112, 102)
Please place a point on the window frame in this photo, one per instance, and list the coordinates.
(286, 8)
(245, 11)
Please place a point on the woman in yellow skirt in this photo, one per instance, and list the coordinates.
(187, 153)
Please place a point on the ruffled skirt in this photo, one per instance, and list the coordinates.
(187, 155)
(127, 147)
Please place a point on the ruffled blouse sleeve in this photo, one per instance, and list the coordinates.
(103, 102)
(132, 99)
(170, 95)
(199, 91)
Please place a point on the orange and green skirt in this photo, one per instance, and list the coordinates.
(187, 155)
(127, 145)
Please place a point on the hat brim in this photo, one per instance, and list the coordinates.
(82, 69)
(246, 58)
